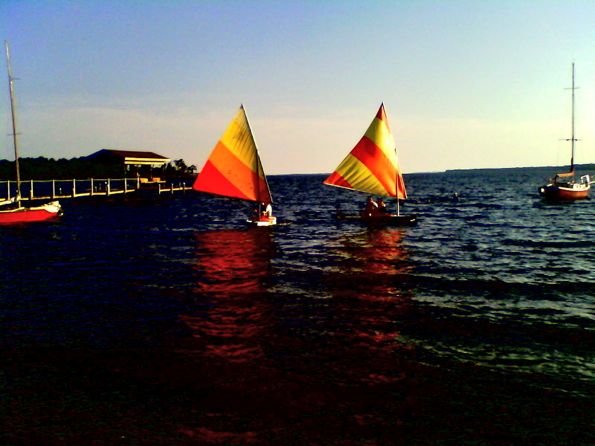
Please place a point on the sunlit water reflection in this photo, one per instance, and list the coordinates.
(168, 321)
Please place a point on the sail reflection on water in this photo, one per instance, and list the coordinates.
(372, 298)
(377, 258)
(233, 267)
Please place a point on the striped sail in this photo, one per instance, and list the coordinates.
(372, 165)
(233, 168)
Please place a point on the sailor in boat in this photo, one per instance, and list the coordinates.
(371, 208)
(382, 206)
(263, 212)
(268, 210)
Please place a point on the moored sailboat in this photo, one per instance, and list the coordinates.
(234, 170)
(564, 186)
(16, 213)
(372, 167)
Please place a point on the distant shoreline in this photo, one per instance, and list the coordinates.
(6, 169)
(581, 167)
(589, 166)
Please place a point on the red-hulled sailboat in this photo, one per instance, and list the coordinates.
(16, 213)
(234, 170)
(564, 186)
(372, 167)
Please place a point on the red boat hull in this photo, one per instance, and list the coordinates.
(27, 215)
(558, 193)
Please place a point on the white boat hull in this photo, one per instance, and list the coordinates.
(263, 221)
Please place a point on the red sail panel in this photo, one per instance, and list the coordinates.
(401, 191)
(233, 168)
(381, 115)
(212, 181)
(335, 179)
(381, 167)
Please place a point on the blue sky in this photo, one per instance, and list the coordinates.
(465, 83)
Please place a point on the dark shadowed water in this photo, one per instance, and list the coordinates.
(168, 321)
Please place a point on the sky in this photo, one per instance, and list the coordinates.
(465, 83)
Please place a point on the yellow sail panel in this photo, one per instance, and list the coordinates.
(379, 133)
(239, 140)
(233, 168)
(353, 174)
(372, 165)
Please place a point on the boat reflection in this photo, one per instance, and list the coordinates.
(232, 314)
(373, 298)
(377, 253)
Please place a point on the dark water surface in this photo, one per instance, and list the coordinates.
(167, 321)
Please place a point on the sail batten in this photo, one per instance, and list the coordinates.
(233, 168)
(372, 165)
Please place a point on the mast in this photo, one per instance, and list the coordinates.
(572, 138)
(397, 184)
(14, 125)
(255, 164)
(396, 173)
(257, 167)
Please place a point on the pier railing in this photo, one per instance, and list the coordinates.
(62, 189)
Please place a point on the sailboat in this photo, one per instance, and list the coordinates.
(234, 170)
(563, 186)
(17, 213)
(372, 167)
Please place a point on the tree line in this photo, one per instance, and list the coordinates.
(42, 168)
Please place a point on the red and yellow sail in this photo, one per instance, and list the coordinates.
(372, 165)
(233, 168)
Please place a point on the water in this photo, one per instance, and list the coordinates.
(167, 321)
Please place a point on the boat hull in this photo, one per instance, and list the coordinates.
(554, 192)
(380, 220)
(19, 215)
(263, 221)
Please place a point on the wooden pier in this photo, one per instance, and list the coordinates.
(64, 189)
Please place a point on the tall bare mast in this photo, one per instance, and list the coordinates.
(14, 123)
(572, 138)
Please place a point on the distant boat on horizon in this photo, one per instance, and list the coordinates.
(16, 213)
(372, 167)
(234, 170)
(564, 186)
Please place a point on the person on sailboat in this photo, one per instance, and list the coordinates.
(263, 210)
(381, 206)
(371, 206)
(268, 210)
